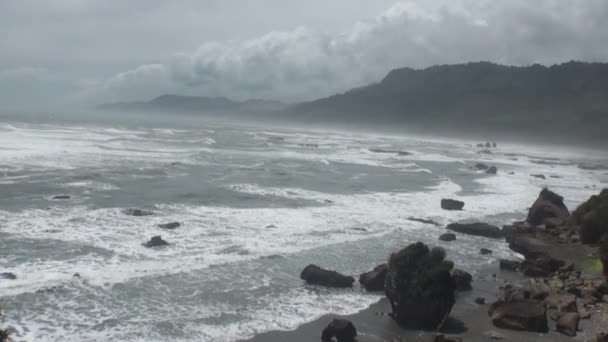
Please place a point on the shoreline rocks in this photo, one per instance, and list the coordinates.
(450, 204)
(448, 237)
(524, 315)
(316, 275)
(137, 212)
(156, 241)
(340, 329)
(462, 280)
(8, 276)
(373, 281)
(477, 229)
(548, 205)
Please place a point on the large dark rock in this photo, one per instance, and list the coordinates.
(548, 205)
(462, 280)
(450, 204)
(592, 218)
(340, 329)
(568, 323)
(492, 170)
(8, 275)
(480, 166)
(315, 275)
(526, 315)
(419, 286)
(448, 237)
(137, 212)
(156, 241)
(478, 229)
(541, 266)
(172, 225)
(374, 280)
(509, 265)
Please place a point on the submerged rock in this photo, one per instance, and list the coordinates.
(478, 229)
(8, 275)
(425, 221)
(340, 329)
(492, 170)
(316, 275)
(137, 212)
(450, 204)
(156, 241)
(539, 176)
(481, 166)
(419, 286)
(374, 280)
(172, 225)
(526, 315)
(548, 205)
(485, 251)
(61, 197)
(448, 237)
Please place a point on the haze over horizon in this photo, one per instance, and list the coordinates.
(58, 53)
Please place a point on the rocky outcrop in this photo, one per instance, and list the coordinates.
(374, 280)
(450, 204)
(477, 229)
(172, 225)
(340, 329)
(462, 280)
(526, 315)
(156, 241)
(419, 286)
(592, 218)
(548, 205)
(137, 212)
(448, 237)
(316, 275)
(568, 324)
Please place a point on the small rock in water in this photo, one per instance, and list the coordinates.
(271, 226)
(480, 300)
(374, 280)
(314, 274)
(156, 241)
(480, 166)
(492, 171)
(8, 275)
(448, 237)
(478, 229)
(450, 204)
(485, 251)
(61, 197)
(340, 329)
(425, 221)
(137, 212)
(539, 176)
(171, 225)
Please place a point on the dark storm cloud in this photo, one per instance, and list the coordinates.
(319, 57)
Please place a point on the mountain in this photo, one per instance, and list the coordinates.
(566, 101)
(196, 104)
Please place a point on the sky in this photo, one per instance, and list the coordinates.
(56, 53)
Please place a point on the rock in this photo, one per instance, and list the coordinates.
(420, 287)
(494, 335)
(423, 221)
(553, 223)
(171, 225)
(450, 204)
(584, 313)
(448, 237)
(480, 145)
(602, 337)
(315, 275)
(492, 170)
(4, 335)
(342, 330)
(526, 315)
(477, 229)
(480, 166)
(485, 152)
(563, 303)
(592, 218)
(485, 251)
(137, 212)
(156, 241)
(509, 265)
(488, 145)
(8, 275)
(547, 205)
(61, 197)
(568, 324)
(374, 280)
(494, 145)
(539, 176)
(603, 252)
(542, 266)
(446, 338)
(480, 300)
(462, 279)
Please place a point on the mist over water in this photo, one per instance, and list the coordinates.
(256, 205)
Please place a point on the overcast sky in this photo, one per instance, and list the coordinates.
(69, 52)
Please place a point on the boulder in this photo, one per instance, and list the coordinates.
(548, 205)
(420, 287)
(61, 197)
(462, 280)
(477, 229)
(374, 280)
(492, 170)
(425, 221)
(316, 275)
(592, 218)
(172, 225)
(568, 324)
(137, 212)
(448, 237)
(562, 302)
(480, 166)
(8, 275)
(539, 176)
(525, 315)
(480, 301)
(541, 266)
(156, 241)
(450, 204)
(485, 251)
(509, 265)
(340, 329)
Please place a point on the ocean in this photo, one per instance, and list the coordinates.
(256, 205)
